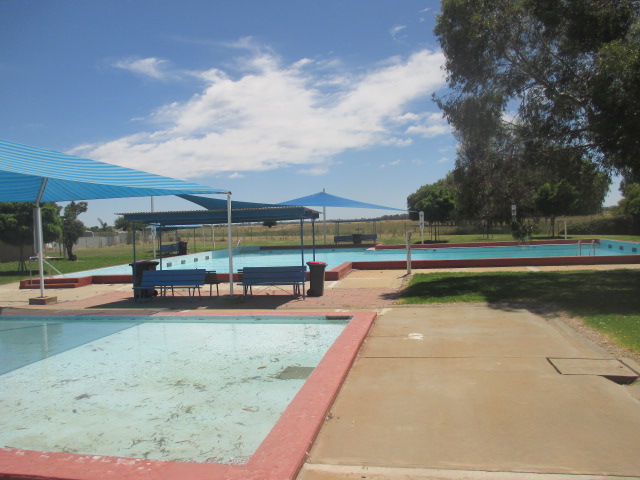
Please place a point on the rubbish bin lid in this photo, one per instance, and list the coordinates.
(316, 263)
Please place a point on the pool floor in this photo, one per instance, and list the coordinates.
(176, 390)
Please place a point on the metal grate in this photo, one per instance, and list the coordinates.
(295, 373)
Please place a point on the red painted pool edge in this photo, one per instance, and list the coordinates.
(279, 456)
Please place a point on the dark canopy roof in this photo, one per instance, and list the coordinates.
(323, 199)
(24, 170)
(241, 212)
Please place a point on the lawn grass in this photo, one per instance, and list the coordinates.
(608, 301)
(88, 259)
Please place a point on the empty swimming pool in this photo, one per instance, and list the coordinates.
(178, 388)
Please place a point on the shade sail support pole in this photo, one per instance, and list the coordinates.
(302, 240)
(313, 236)
(40, 243)
(324, 221)
(229, 243)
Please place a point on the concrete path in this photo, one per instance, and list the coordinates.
(459, 391)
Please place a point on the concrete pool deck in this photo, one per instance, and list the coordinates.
(444, 391)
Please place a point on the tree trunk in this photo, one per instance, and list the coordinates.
(69, 247)
(22, 265)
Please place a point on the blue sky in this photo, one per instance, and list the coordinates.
(272, 100)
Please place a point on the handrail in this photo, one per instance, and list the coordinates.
(36, 258)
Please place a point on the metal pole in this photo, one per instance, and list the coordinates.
(213, 236)
(160, 245)
(313, 230)
(408, 253)
(40, 236)
(40, 245)
(302, 241)
(229, 245)
(324, 221)
(153, 231)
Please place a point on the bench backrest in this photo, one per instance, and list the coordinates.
(211, 277)
(294, 273)
(158, 278)
(350, 238)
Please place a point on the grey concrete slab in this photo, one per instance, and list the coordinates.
(358, 472)
(404, 413)
(471, 331)
(470, 389)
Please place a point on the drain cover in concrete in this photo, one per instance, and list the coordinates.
(295, 373)
(611, 369)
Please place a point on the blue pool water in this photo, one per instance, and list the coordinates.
(204, 389)
(253, 256)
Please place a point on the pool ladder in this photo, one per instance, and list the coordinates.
(592, 248)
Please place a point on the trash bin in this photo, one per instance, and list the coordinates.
(316, 279)
(137, 269)
(357, 238)
(182, 248)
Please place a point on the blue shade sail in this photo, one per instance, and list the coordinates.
(23, 168)
(323, 199)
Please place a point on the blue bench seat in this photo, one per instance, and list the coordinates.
(356, 238)
(295, 276)
(170, 248)
(191, 279)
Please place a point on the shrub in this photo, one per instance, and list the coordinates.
(618, 225)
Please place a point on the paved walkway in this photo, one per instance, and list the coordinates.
(468, 391)
(444, 391)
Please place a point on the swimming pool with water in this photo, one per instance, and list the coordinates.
(333, 257)
(178, 388)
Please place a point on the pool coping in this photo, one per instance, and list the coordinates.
(280, 455)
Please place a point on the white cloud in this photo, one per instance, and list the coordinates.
(272, 115)
(391, 164)
(396, 32)
(443, 160)
(236, 175)
(314, 171)
(150, 67)
(429, 125)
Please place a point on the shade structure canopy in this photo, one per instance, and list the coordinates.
(323, 199)
(216, 213)
(236, 212)
(32, 174)
(23, 169)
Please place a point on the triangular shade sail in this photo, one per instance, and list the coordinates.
(221, 204)
(23, 168)
(323, 199)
